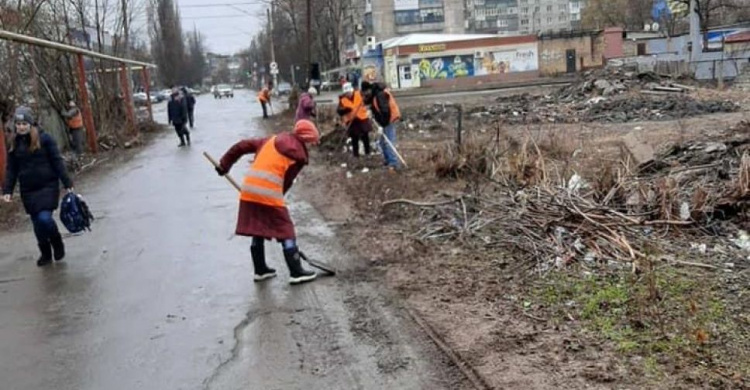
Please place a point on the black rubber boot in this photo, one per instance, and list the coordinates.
(297, 274)
(262, 271)
(187, 136)
(46, 257)
(58, 247)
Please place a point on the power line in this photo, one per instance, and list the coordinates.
(220, 5)
(215, 17)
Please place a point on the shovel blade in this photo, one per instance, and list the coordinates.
(327, 269)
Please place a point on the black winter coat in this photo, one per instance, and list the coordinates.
(382, 115)
(190, 100)
(39, 173)
(177, 111)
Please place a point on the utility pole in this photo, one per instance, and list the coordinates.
(309, 42)
(270, 34)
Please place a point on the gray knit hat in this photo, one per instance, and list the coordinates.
(24, 114)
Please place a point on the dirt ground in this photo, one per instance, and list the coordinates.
(667, 327)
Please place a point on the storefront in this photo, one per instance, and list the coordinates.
(434, 60)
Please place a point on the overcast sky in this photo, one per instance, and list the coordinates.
(226, 29)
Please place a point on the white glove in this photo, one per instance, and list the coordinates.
(380, 130)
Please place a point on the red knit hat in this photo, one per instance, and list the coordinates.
(307, 131)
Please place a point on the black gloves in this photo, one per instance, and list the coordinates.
(220, 171)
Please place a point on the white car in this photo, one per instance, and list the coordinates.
(223, 90)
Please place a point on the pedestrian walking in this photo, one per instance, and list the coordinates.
(264, 97)
(189, 99)
(386, 113)
(74, 121)
(178, 117)
(356, 120)
(306, 105)
(263, 214)
(34, 162)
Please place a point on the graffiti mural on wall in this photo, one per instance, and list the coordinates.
(518, 60)
(445, 67)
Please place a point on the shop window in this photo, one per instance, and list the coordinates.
(641, 49)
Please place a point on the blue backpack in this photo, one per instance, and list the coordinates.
(75, 214)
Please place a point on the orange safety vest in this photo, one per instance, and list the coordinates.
(395, 111)
(264, 182)
(357, 105)
(76, 122)
(264, 95)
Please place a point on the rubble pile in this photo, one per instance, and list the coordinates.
(606, 95)
(697, 193)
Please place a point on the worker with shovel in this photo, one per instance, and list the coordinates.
(356, 120)
(264, 97)
(263, 214)
(386, 113)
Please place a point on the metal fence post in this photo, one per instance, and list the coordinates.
(459, 124)
(147, 81)
(3, 152)
(88, 117)
(130, 116)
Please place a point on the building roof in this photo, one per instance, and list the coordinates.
(738, 37)
(424, 39)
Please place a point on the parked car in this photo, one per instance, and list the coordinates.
(284, 89)
(140, 98)
(223, 90)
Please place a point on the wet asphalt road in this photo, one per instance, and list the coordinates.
(160, 295)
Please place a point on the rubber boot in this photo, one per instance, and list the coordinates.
(46, 257)
(58, 246)
(297, 274)
(182, 140)
(262, 271)
(187, 136)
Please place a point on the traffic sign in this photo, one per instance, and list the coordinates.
(274, 71)
(274, 66)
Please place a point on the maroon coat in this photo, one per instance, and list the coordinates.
(259, 220)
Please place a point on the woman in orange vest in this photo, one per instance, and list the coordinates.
(353, 112)
(264, 97)
(74, 120)
(386, 113)
(263, 214)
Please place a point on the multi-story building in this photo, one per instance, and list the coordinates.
(543, 15)
(389, 18)
(492, 16)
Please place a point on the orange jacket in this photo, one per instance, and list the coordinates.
(76, 122)
(264, 182)
(356, 106)
(392, 106)
(264, 95)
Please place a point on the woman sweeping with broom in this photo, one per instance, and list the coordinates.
(263, 214)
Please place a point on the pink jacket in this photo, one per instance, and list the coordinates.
(305, 107)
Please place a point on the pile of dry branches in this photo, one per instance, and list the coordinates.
(535, 207)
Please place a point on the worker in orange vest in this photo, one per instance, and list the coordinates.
(74, 121)
(386, 113)
(263, 213)
(264, 97)
(353, 113)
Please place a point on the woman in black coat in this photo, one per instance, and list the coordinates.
(34, 162)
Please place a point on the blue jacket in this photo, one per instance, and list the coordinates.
(39, 173)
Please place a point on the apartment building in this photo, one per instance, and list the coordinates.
(389, 18)
(385, 19)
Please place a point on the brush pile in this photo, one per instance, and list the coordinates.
(527, 205)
